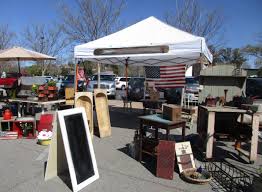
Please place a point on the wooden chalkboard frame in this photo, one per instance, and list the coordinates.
(61, 117)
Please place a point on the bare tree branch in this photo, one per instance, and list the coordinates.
(6, 37)
(47, 40)
(190, 17)
(92, 20)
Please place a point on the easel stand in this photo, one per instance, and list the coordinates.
(57, 162)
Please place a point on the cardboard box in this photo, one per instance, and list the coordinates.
(172, 112)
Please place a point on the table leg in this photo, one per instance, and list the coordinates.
(156, 133)
(140, 141)
(42, 109)
(184, 132)
(19, 112)
(254, 138)
(167, 133)
(210, 135)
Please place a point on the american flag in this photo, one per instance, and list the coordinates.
(166, 76)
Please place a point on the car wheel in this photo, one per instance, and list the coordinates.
(123, 87)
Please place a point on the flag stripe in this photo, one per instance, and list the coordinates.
(166, 76)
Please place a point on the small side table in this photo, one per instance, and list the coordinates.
(157, 122)
(8, 121)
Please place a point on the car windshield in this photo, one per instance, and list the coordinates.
(104, 77)
(10, 75)
(136, 82)
(191, 81)
(69, 78)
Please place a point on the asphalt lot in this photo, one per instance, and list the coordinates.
(22, 162)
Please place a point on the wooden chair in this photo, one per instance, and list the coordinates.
(46, 122)
(126, 101)
(69, 95)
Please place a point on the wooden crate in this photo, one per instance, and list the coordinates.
(172, 112)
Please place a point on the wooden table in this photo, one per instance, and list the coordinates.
(210, 121)
(157, 122)
(41, 103)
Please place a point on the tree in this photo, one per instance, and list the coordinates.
(6, 37)
(229, 55)
(192, 18)
(255, 50)
(48, 40)
(91, 20)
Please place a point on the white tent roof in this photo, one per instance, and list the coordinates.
(182, 46)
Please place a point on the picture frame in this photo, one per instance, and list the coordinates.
(78, 147)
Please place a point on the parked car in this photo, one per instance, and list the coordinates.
(10, 82)
(107, 81)
(136, 88)
(121, 82)
(69, 81)
(254, 88)
(47, 78)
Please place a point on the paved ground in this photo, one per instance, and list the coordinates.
(22, 163)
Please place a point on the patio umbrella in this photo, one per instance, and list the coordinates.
(22, 54)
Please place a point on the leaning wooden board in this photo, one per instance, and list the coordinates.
(85, 99)
(102, 113)
(184, 155)
(165, 159)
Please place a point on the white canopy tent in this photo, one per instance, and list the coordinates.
(149, 42)
(175, 46)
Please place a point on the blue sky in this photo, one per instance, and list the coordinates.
(243, 17)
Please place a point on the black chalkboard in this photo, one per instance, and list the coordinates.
(79, 147)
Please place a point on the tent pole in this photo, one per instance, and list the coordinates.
(76, 79)
(182, 97)
(75, 73)
(126, 78)
(19, 69)
(98, 75)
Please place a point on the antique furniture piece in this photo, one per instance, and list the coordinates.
(206, 127)
(185, 158)
(172, 112)
(9, 121)
(102, 112)
(85, 99)
(25, 126)
(156, 121)
(55, 103)
(69, 95)
(165, 159)
(45, 123)
(152, 106)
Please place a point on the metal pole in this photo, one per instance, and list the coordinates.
(75, 72)
(19, 69)
(126, 78)
(98, 75)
